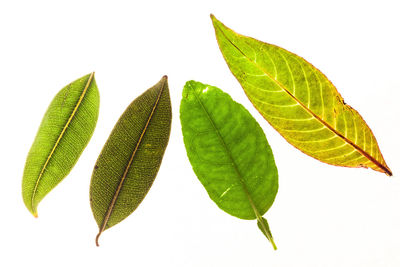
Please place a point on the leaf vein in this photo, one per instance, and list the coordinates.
(59, 139)
(112, 204)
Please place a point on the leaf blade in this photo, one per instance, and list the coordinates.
(65, 130)
(131, 157)
(300, 102)
(228, 151)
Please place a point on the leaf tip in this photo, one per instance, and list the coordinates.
(165, 77)
(91, 76)
(214, 19)
(33, 210)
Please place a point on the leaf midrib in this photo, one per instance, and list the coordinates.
(115, 197)
(58, 141)
(356, 147)
(239, 175)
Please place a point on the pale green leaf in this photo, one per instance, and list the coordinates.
(131, 157)
(229, 153)
(300, 102)
(66, 129)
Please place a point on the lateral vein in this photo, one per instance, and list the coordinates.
(113, 201)
(364, 153)
(58, 141)
(240, 176)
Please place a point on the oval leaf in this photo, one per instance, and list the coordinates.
(300, 102)
(66, 129)
(229, 153)
(129, 162)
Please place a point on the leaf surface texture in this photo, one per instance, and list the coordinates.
(228, 152)
(300, 102)
(64, 132)
(131, 157)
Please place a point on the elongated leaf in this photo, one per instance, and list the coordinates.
(300, 102)
(131, 157)
(229, 153)
(65, 131)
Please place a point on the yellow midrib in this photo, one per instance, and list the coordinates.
(360, 150)
(58, 141)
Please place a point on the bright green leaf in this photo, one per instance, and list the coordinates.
(66, 129)
(300, 102)
(131, 157)
(229, 153)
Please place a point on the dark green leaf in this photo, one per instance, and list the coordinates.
(131, 157)
(66, 129)
(229, 153)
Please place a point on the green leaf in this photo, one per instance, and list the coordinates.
(66, 129)
(264, 227)
(130, 159)
(229, 153)
(300, 102)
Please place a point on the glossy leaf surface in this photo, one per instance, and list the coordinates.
(300, 102)
(66, 129)
(131, 157)
(229, 153)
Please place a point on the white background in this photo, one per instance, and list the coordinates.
(323, 215)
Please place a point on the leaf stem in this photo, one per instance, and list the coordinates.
(97, 238)
(262, 224)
